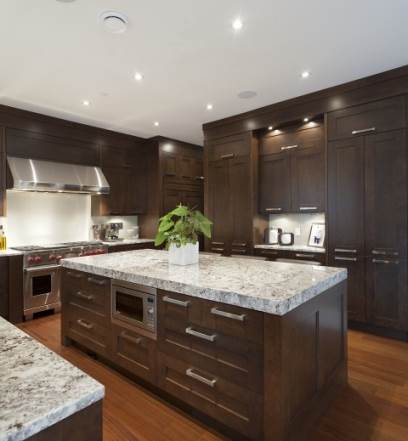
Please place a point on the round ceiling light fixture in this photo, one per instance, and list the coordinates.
(114, 22)
(247, 94)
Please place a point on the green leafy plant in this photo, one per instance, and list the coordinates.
(182, 226)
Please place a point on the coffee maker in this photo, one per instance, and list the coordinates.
(112, 231)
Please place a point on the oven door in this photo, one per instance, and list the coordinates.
(41, 288)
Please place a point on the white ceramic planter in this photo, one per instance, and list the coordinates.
(184, 255)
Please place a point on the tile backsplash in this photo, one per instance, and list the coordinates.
(296, 223)
(130, 224)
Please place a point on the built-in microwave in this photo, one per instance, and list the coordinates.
(135, 305)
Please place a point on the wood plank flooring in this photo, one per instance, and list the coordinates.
(374, 407)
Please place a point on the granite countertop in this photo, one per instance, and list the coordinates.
(9, 252)
(38, 388)
(299, 248)
(271, 287)
(127, 242)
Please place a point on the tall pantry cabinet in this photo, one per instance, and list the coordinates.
(367, 209)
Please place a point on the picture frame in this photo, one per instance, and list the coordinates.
(317, 235)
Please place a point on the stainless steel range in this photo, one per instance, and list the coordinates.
(42, 272)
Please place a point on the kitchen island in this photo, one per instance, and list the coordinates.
(42, 396)
(257, 349)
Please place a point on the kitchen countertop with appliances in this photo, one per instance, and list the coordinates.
(300, 248)
(38, 388)
(271, 287)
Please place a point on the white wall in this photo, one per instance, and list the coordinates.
(292, 221)
(43, 218)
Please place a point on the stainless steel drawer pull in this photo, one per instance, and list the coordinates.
(239, 244)
(126, 336)
(385, 261)
(83, 296)
(230, 315)
(199, 178)
(74, 275)
(345, 250)
(217, 243)
(310, 256)
(385, 253)
(358, 132)
(227, 156)
(217, 249)
(238, 251)
(85, 324)
(201, 335)
(273, 209)
(289, 147)
(349, 259)
(190, 373)
(183, 304)
(307, 208)
(97, 281)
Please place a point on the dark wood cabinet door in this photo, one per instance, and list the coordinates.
(193, 199)
(386, 197)
(219, 205)
(274, 183)
(346, 196)
(387, 292)
(171, 198)
(356, 298)
(4, 287)
(377, 116)
(240, 200)
(169, 165)
(114, 203)
(135, 191)
(308, 180)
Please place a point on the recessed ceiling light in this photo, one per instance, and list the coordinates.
(306, 119)
(246, 94)
(138, 76)
(237, 24)
(86, 103)
(270, 128)
(209, 106)
(305, 74)
(114, 22)
(156, 123)
(65, 1)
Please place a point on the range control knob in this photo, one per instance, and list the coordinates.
(58, 258)
(37, 259)
(52, 257)
(30, 259)
(150, 311)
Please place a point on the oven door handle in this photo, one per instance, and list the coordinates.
(42, 268)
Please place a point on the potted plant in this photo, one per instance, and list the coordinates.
(179, 230)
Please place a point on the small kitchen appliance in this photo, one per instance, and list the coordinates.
(112, 231)
(42, 266)
(286, 239)
(272, 235)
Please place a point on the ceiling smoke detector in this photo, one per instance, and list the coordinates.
(114, 22)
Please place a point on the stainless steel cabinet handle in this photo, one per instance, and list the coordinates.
(85, 324)
(126, 336)
(273, 209)
(81, 295)
(345, 250)
(201, 335)
(217, 243)
(311, 256)
(349, 259)
(190, 373)
(199, 178)
(289, 147)
(358, 132)
(230, 315)
(385, 253)
(74, 275)
(227, 156)
(239, 244)
(217, 249)
(183, 304)
(307, 208)
(385, 261)
(97, 281)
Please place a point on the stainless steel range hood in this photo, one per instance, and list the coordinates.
(38, 175)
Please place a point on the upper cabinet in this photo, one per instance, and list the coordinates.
(292, 170)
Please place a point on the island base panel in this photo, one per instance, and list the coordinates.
(84, 425)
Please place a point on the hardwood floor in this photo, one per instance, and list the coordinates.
(374, 407)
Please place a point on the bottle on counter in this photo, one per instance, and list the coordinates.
(3, 240)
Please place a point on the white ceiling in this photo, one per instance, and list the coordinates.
(53, 55)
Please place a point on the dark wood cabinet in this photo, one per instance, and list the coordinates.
(292, 171)
(11, 288)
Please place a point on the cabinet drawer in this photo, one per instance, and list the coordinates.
(238, 360)
(222, 400)
(368, 118)
(134, 352)
(87, 329)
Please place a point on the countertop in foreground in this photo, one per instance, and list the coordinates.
(271, 287)
(38, 388)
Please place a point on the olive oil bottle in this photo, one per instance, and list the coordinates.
(3, 241)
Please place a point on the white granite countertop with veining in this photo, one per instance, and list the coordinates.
(271, 287)
(127, 242)
(299, 248)
(9, 252)
(38, 388)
